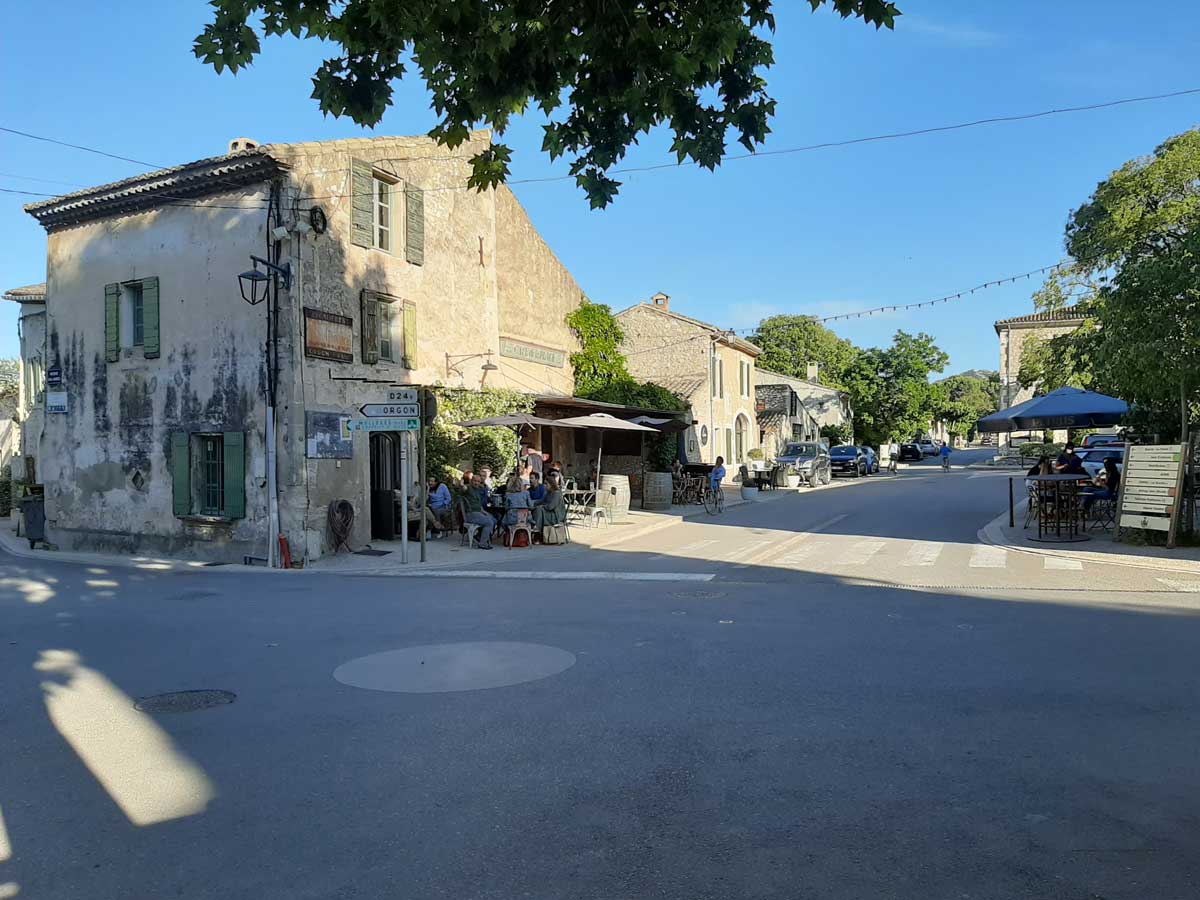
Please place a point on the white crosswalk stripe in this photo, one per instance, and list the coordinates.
(1190, 587)
(687, 548)
(1062, 564)
(799, 555)
(923, 553)
(861, 552)
(984, 556)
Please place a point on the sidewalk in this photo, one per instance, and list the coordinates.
(1100, 548)
(384, 557)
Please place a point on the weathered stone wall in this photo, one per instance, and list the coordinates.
(30, 409)
(120, 416)
(1013, 342)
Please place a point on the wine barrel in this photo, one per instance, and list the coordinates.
(613, 497)
(656, 494)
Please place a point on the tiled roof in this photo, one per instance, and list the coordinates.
(682, 386)
(30, 293)
(768, 421)
(189, 181)
(1066, 315)
(726, 336)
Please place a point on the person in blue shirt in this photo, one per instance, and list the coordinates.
(439, 503)
(945, 452)
(537, 490)
(718, 473)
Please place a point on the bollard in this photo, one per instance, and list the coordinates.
(1012, 523)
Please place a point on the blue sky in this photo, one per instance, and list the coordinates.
(814, 233)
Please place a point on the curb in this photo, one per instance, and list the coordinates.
(993, 533)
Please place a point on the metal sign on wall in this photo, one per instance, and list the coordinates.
(546, 356)
(328, 335)
(56, 401)
(1152, 488)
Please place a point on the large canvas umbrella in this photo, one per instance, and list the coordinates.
(1002, 420)
(603, 422)
(1071, 408)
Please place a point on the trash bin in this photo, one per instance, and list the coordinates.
(33, 512)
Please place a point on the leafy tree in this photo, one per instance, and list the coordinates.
(599, 361)
(10, 386)
(890, 391)
(602, 73)
(967, 400)
(447, 442)
(790, 343)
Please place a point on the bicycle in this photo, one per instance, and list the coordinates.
(714, 500)
(945, 463)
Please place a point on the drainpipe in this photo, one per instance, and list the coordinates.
(274, 251)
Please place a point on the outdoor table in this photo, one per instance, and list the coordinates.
(1058, 507)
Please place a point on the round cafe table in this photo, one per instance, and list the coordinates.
(1058, 510)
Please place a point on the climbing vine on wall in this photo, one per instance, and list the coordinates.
(599, 361)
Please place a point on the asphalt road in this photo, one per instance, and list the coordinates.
(860, 702)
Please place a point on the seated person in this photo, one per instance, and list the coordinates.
(537, 490)
(439, 503)
(419, 514)
(1068, 463)
(553, 509)
(475, 515)
(1041, 467)
(1112, 484)
(517, 504)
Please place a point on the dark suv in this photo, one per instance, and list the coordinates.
(847, 459)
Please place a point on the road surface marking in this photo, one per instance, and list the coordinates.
(777, 550)
(749, 552)
(1062, 564)
(1190, 587)
(686, 548)
(860, 553)
(547, 575)
(985, 556)
(924, 553)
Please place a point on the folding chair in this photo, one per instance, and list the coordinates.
(470, 531)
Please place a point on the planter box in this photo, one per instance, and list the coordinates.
(749, 493)
(793, 481)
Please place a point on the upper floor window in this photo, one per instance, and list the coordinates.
(386, 213)
(135, 304)
(131, 318)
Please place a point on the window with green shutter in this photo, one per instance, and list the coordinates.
(131, 318)
(208, 474)
(362, 204)
(409, 360)
(112, 322)
(150, 343)
(370, 328)
(181, 473)
(234, 474)
(414, 225)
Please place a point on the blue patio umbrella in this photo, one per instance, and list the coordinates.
(1066, 408)
(1002, 421)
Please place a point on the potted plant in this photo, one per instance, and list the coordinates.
(756, 458)
(792, 477)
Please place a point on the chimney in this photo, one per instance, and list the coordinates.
(813, 371)
(242, 143)
(661, 301)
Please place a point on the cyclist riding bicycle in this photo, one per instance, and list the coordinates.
(714, 501)
(717, 475)
(945, 451)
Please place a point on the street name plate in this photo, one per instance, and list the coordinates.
(384, 424)
(389, 410)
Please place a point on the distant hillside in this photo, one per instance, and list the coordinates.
(979, 374)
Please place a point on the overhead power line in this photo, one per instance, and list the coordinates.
(38, 137)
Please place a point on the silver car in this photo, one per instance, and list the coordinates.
(809, 459)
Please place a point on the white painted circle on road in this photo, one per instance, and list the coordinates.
(441, 668)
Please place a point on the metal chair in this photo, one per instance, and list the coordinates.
(522, 524)
(470, 531)
(1031, 507)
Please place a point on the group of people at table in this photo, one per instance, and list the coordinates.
(1104, 486)
(532, 496)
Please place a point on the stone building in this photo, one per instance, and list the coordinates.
(710, 368)
(827, 406)
(1015, 335)
(399, 275)
(781, 412)
(31, 334)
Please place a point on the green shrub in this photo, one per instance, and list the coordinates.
(756, 453)
(447, 442)
(1038, 450)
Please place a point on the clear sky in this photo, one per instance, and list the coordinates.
(814, 233)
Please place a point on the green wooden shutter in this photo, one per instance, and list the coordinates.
(181, 474)
(150, 345)
(235, 474)
(414, 225)
(362, 204)
(370, 329)
(112, 322)
(410, 336)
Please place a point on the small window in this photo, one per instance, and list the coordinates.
(387, 327)
(383, 213)
(133, 315)
(211, 480)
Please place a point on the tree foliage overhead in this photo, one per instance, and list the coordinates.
(790, 343)
(890, 390)
(603, 73)
(967, 399)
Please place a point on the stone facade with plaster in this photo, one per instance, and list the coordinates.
(1015, 335)
(463, 278)
(30, 411)
(823, 404)
(713, 370)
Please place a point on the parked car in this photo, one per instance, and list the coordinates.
(872, 459)
(846, 459)
(809, 459)
(910, 450)
(928, 446)
(1093, 458)
(1096, 440)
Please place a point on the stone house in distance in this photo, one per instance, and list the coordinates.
(710, 368)
(31, 333)
(399, 276)
(781, 412)
(1014, 335)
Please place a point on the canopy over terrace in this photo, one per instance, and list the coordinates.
(604, 422)
(1066, 407)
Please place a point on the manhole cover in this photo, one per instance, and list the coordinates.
(698, 595)
(184, 701)
(440, 668)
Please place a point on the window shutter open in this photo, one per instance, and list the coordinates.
(235, 474)
(721, 378)
(112, 322)
(414, 225)
(150, 345)
(370, 329)
(410, 336)
(181, 482)
(362, 215)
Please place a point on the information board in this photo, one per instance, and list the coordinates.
(1152, 488)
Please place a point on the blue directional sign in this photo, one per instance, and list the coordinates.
(384, 425)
